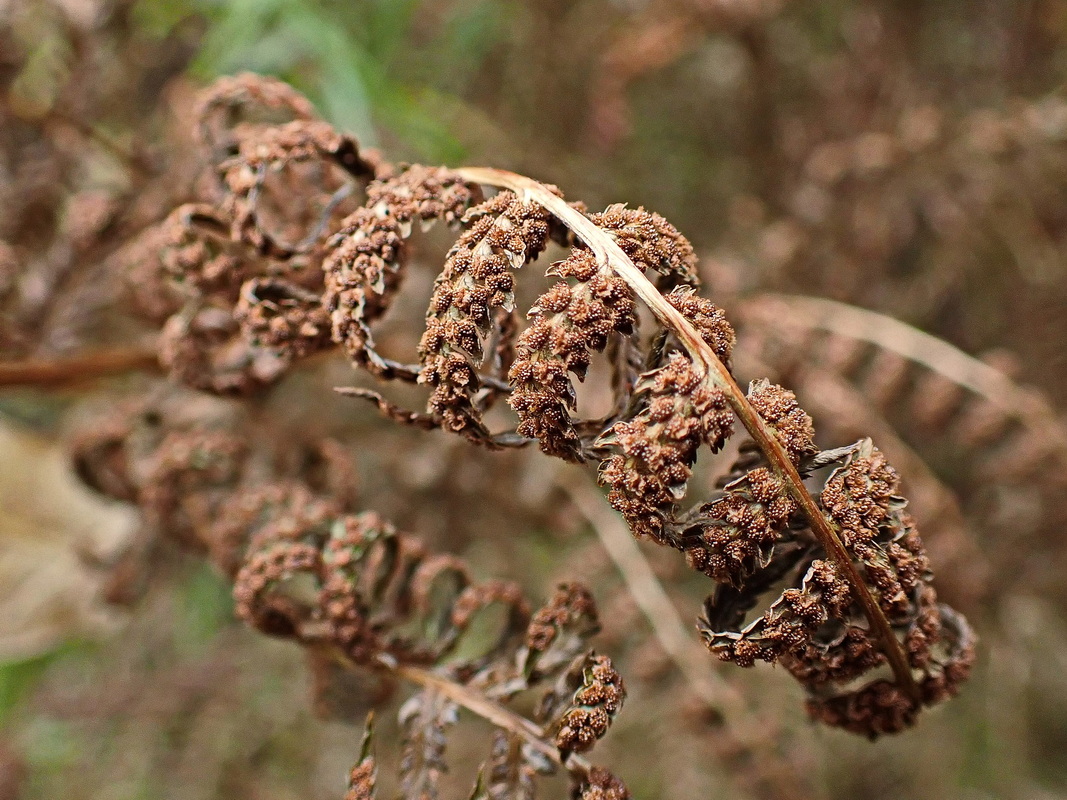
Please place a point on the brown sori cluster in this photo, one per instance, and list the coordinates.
(245, 98)
(593, 706)
(263, 288)
(792, 426)
(265, 152)
(652, 243)
(362, 780)
(708, 319)
(203, 348)
(569, 322)
(201, 465)
(735, 534)
(788, 624)
(197, 254)
(570, 608)
(658, 446)
(253, 509)
(474, 289)
(882, 707)
(818, 631)
(283, 317)
(245, 263)
(367, 574)
(573, 320)
(861, 499)
(365, 265)
(602, 785)
(351, 584)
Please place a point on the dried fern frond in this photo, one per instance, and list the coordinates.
(672, 389)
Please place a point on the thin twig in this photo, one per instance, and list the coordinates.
(489, 710)
(79, 368)
(608, 252)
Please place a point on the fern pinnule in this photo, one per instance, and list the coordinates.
(602, 785)
(657, 447)
(652, 243)
(730, 537)
(281, 154)
(474, 289)
(592, 707)
(363, 777)
(510, 774)
(245, 98)
(569, 321)
(282, 316)
(369, 251)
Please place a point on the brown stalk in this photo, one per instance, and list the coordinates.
(489, 710)
(75, 369)
(607, 251)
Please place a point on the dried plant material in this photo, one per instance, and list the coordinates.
(359, 593)
(282, 316)
(368, 254)
(247, 98)
(659, 446)
(997, 432)
(424, 718)
(474, 288)
(56, 540)
(603, 785)
(593, 706)
(363, 779)
(511, 771)
(672, 391)
(259, 283)
(569, 321)
(821, 637)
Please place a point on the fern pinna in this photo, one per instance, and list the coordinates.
(255, 282)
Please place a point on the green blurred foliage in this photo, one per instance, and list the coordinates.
(351, 59)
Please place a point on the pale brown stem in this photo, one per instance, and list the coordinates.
(490, 710)
(76, 369)
(608, 252)
(470, 699)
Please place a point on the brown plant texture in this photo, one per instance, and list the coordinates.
(357, 593)
(258, 283)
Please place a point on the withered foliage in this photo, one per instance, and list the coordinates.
(78, 179)
(265, 282)
(356, 592)
(845, 164)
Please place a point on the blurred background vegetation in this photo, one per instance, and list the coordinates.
(904, 156)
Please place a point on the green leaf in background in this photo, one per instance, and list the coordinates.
(347, 57)
(206, 608)
(18, 677)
